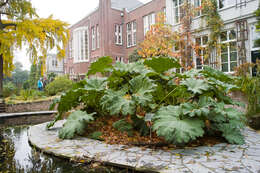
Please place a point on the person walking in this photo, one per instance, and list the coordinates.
(40, 84)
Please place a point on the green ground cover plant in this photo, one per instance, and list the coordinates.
(148, 96)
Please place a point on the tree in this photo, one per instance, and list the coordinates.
(19, 24)
(159, 40)
(19, 76)
(35, 74)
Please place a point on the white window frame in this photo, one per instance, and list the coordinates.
(254, 36)
(202, 46)
(227, 42)
(98, 37)
(80, 45)
(118, 34)
(148, 21)
(93, 38)
(227, 3)
(131, 28)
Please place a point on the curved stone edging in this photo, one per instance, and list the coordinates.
(217, 159)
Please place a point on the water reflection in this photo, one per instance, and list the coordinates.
(16, 155)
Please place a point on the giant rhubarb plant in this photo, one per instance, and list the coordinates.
(180, 107)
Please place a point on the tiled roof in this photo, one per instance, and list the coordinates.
(128, 4)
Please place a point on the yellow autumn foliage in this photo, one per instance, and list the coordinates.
(26, 28)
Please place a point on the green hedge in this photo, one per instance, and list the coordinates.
(60, 84)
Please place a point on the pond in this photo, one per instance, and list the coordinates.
(16, 155)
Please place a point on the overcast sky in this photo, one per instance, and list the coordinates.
(65, 10)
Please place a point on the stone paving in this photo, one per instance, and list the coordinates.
(216, 159)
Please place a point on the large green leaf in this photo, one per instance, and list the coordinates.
(96, 84)
(135, 67)
(162, 64)
(75, 124)
(197, 86)
(194, 110)
(101, 65)
(231, 134)
(116, 102)
(142, 88)
(217, 74)
(168, 124)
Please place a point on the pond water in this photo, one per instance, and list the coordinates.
(16, 155)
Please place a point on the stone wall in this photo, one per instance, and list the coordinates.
(25, 120)
(28, 107)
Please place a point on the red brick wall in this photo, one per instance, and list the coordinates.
(137, 15)
(106, 18)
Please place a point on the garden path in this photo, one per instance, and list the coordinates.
(216, 159)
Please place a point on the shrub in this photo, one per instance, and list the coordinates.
(180, 107)
(60, 84)
(9, 89)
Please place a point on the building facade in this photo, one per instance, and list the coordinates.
(238, 33)
(53, 65)
(113, 29)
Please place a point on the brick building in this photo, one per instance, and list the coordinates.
(113, 29)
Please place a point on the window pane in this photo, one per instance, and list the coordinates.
(223, 36)
(232, 35)
(224, 48)
(134, 25)
(225, 67)
(205, 40)
(233, 56)
(134, 38)
(175, 3)
(233, 46)
(198, 41)
(224, 57)
(221, 3)
(177, 15)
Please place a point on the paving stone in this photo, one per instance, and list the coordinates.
(198, 168)
(216, 159)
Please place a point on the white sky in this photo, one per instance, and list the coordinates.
(65, 10)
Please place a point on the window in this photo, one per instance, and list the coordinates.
(164, 11)
(148, 21)
(255, 35)
(131, 33)
(93, 38)
(81, 44)
(226, 3)
(178, 10)
(229, 56)
(98, 37)
(119, 59)
(118, 34)
(197, 5)
(202, 42)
